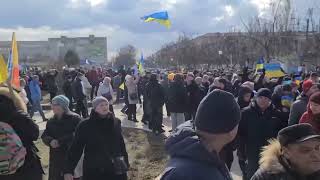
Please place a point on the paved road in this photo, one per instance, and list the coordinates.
(236, 173)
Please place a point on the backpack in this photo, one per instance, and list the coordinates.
(12, 151)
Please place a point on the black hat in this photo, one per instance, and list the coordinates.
(218, 113)
(296, 134)
(265, 92)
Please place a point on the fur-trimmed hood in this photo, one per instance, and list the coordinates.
(16, 98)
(270, 157)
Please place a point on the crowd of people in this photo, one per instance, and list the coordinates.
(272, 123)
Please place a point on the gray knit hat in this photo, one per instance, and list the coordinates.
(98, 100)
(62, 101)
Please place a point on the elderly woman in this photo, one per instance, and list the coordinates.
(58, 135)
(131, 96)
(100, 137)
(105, 90)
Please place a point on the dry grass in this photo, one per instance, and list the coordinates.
(146, 154)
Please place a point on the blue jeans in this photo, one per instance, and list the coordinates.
(36, 106)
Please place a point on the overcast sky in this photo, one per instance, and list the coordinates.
(119, 20)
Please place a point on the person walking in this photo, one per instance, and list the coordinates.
(194, 154)
(131, 96)
(259, 122)
(36, 97)
(67, 90)
(156, 95)
(93, 78)
(101, 141)
(177, 101)
(105, 90)
(79, 96)
(294, 155)
(194, 98)
(58, 135)
(50, 78)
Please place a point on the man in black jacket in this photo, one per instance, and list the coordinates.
(51, 82)
(294, 155)
(155, 94)
(259, 122)
(79, 96)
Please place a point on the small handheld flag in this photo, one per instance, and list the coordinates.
(259, 65)
(160, 17)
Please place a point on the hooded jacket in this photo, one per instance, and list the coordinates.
(310, 118)
(189, 159)
(274, 167)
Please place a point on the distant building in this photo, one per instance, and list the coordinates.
(92, 48)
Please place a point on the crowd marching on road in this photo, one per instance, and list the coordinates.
(273, 124)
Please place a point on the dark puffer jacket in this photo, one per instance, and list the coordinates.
(274, 167)
(189, 159)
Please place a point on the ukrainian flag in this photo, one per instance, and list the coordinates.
(273, 70)
(286, 101)
(160, 17)
(259, 65)
(298, 80)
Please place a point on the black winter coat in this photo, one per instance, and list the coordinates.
(155, 94)
(67, 89)
(177, 98)
(77, 90)
(100, 139)
(194, 96)
(28, 132)
(62, 130)
(51, 82)
(255, 129)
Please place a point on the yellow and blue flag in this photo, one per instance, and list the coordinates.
(298, 80)
(260, 65)
(273, 70)
(160, 17)
(3, 70)
(141, 64)
(287, 101)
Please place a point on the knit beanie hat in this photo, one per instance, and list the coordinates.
(61, 101)
(315, 97)
(307, 85)
(218, 113)
(264, 92)
(98, 100)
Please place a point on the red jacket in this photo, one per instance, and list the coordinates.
(308, 117)
(93, 77)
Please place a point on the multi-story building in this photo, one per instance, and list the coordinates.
(93, 48)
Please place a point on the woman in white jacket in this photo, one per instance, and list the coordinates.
(105, 90)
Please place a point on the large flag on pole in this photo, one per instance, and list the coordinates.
(3, 70)
(13, 63)
(160, 17)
